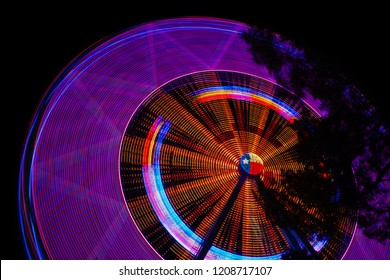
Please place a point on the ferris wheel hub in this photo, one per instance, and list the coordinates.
(251, 164)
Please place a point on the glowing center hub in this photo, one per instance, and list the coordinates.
(251, 164)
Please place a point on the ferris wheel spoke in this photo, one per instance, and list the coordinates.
(208, 241)
(185, 50)
(152, 55)
(226, 45)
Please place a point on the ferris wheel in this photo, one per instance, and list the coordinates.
(167, 141)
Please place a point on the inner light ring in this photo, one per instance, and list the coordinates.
(162, 206)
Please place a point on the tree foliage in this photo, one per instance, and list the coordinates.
(351, 139)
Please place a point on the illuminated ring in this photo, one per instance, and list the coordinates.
(190, 160)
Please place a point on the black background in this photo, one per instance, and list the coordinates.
(40, 41)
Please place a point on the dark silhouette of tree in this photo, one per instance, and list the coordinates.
(347, 151)
(280, 216)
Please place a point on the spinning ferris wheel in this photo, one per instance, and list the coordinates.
(201, 164)
(168, 141)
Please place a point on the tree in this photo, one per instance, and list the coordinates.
(352, 140)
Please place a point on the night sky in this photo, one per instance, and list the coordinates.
(41, 41)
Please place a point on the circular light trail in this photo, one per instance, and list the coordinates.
(192, 170)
